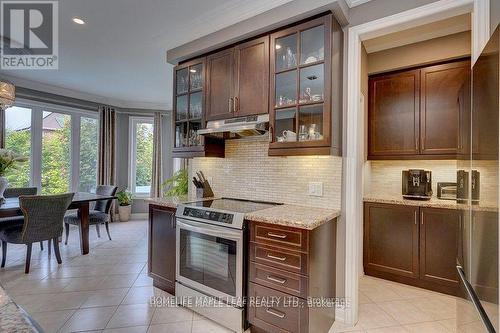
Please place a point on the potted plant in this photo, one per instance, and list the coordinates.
(177, 186)
(124, 205)
(8, 160)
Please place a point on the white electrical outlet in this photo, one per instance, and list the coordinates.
(315, 189)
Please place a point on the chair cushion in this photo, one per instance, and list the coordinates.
(12, 234)
(95, 217)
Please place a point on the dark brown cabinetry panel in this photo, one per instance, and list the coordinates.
(251, 88)
(391, 239)
(161, 234)
(439, 237)
(393, 115)
(412, 245)
(219, 102)
(418, 113)
(441, 87)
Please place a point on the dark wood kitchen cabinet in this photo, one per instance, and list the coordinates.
(161, 247)
(391, 239)
(440, 92)
(294, 265)
(238, 80)
(189, 115)
(412, 245)
(301, 91)
(417, 113)
(439, 237)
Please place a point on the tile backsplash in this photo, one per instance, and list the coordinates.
(248, 172)
(383, 178)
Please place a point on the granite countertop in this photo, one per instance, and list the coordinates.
(12, 318)
(303, 217)
(173, 202)
(432, 203)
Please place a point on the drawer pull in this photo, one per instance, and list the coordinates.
(275, 257)
(275, 313)
(275, 279)
(272, 234)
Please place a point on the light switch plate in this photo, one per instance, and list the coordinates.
(315, 189)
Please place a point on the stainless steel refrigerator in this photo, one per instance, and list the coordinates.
(477, 259)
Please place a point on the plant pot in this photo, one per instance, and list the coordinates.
(4, 183)
(124, 212)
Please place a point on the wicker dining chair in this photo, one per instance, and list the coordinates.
(100, 214)
(43, 220)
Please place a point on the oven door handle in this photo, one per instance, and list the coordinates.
(208, 229)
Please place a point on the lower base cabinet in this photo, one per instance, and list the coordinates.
(161, 247)
(413, 245)
(289, 269)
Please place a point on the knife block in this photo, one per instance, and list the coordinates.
(205, 192)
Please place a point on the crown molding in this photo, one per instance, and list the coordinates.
(52, 89)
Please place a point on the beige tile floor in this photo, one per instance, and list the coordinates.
(109, 290)
(105, 291)
(389, 307)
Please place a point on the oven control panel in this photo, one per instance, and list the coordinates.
(208, 215)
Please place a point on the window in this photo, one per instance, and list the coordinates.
(89, 137)
(61, 144)
(141, 155)
(56, 153)
(18, 139)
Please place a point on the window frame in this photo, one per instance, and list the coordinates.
(132, 153)
(37, 109)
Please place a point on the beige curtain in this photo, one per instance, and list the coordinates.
(157, 178)
(106, 173)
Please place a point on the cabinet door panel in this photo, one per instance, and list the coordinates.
(219, 85)
(252, 77)
(161, 248)
(393, 114)
(391, 239)
(439, 237)
(441, 89)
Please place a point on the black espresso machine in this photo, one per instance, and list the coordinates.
(417, 184)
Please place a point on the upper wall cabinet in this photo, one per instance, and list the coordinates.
(238, 80)
(417, 114)
(300, 91)
(189, 96)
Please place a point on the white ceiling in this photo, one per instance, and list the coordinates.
(119, 56)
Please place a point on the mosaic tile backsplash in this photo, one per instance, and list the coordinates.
(383, 178)
(247, 172)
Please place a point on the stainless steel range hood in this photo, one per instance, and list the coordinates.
(237, 127)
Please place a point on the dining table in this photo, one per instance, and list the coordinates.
(81, 202)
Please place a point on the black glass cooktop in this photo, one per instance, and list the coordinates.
(233, 205)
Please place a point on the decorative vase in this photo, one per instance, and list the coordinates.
(4, 183)
(124, 212)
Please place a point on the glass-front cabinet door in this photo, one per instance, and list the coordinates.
(189, 81)
(300, 105)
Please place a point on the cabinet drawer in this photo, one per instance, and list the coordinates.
(291, 261)
(278, 312)
(278, 279)
(291, 238)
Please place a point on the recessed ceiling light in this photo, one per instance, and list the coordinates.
(78, 20)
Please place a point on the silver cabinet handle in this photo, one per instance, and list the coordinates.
(275, 313)
(275, 279)
(422, 218)
(236, 105)
(230, 105)
(415, 217)
(272, 234)
(275, 257)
